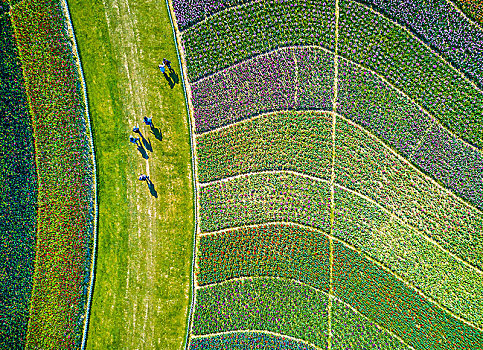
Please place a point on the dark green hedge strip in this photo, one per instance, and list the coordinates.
(279, 250)
(389, 302)
(18, 195)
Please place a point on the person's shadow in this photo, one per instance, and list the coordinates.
(145, 142)
(152, 190)
(157, 133)
(174, 77)
(143, 152)
(168, 79)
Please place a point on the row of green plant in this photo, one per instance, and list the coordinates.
(364, 37)
(404, 251)
(65, 175)
(279, 306)
(379, 44)
(278, 250)
(382, 297)
(241, 32)
(251, 340)
(284, 79)
(366, 166)
(18, 194)
(298, 141)
(259, 198)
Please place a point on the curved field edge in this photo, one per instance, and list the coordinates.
(64, 155)
(184, 79)
(141, 289)
(18, 194)
(66, 10)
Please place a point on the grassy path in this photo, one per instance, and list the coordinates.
(141, 292)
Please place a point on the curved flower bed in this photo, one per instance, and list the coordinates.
(65, 220)
(18, 193)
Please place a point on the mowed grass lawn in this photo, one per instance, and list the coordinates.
(142, 286)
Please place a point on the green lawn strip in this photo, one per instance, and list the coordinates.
(282, 140)
(280, 306)
(351, 330)
(142, 239)
(264, 197)
(377, 43)
(365, 165)
(390, 303)
(278, 250)
(18, 194)
(64, 175)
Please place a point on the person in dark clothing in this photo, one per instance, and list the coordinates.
(135, 129)
(134, 140)
(143, 177)
(167, 63)
(148, 121)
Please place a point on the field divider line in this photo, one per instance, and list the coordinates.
(332, 177)
(358, 194)
(71, 32)
(211, 335)
(475, 23)
(400, 92)
(194, 165)
(360, 252)
(317, 290)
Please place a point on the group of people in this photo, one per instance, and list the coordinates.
(148, 121)
(135, 140)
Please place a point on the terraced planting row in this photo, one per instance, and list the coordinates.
(240, 92)
(65, 220)
(447, 30)
(371, 198)
(18, 193)
(365, 37)
(284, 251)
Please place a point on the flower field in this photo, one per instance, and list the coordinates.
(451, 34)
(264, 197)
(297, 78)
(64, 160)
(262, 304)
(338, 154)
(18, 194)
(278, 250)
(276, 141)
(247, 341)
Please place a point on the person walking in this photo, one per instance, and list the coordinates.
(135, 129)
(148, 121)
(134, 140)
(143, 177)
(162, 68)
(167, 63)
